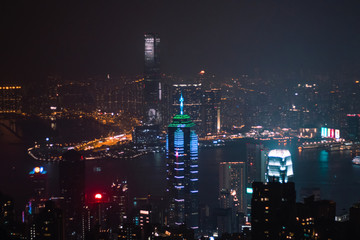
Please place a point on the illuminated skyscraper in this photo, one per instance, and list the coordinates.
(182, 171)
(152, 85)
(279, 166)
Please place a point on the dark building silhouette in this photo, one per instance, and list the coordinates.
(353, 126)
(256, 158)
(9, 227)
(72, 187)
(354, 221)
(38, 178)
(182, 171)
(48, 224)
(316, 219)
(273, 210)
(10, 98)
(119, 202)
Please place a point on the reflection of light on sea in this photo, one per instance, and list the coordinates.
(323, 156)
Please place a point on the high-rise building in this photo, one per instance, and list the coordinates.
(182, 171)
(256, 156)
(97, 223)
(72, 189)
(152, 85)
(7, 216)
(232, 179)
(38, 178)
(353, 126)
(10, 99)
(48, 224)
(212, 101)
(273, 210)
(232, 190)
(279, 167)
(119, 202)
(37, 202)
(316, 219)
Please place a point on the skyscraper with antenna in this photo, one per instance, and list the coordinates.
(182, 171)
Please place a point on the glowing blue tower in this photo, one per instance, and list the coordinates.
(182, 171)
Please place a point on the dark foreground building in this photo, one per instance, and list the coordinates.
(273, 210)
(72, 189)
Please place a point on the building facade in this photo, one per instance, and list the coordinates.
(152, 93)
(273, 210)
(182, 172)
(232, 194)
(279, 166)
(72, 189)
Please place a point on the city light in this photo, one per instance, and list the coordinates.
(37, 170)
(330, 133)
(249, 190)
(98, 196)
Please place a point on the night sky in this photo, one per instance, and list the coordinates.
(225, 37)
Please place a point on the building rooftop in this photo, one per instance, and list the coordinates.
(181, 121)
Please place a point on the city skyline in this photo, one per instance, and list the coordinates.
(242, 122)
(226, 38)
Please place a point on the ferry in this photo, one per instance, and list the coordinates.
(356, 160)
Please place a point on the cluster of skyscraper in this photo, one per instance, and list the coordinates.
(264, 175)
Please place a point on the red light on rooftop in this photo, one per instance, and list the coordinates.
(202, 72)
(98, 196)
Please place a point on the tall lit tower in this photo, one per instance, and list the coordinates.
(152, 88)
(279, 167)
(182, 171)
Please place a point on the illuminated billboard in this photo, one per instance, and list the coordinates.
(330, 133)
(337, 133)
(323, 132)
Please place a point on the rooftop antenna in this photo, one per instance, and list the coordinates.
(181, 105)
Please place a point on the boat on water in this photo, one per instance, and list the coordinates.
(356, 160)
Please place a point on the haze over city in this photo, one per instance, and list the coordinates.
(180, 120)
(227, 38)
